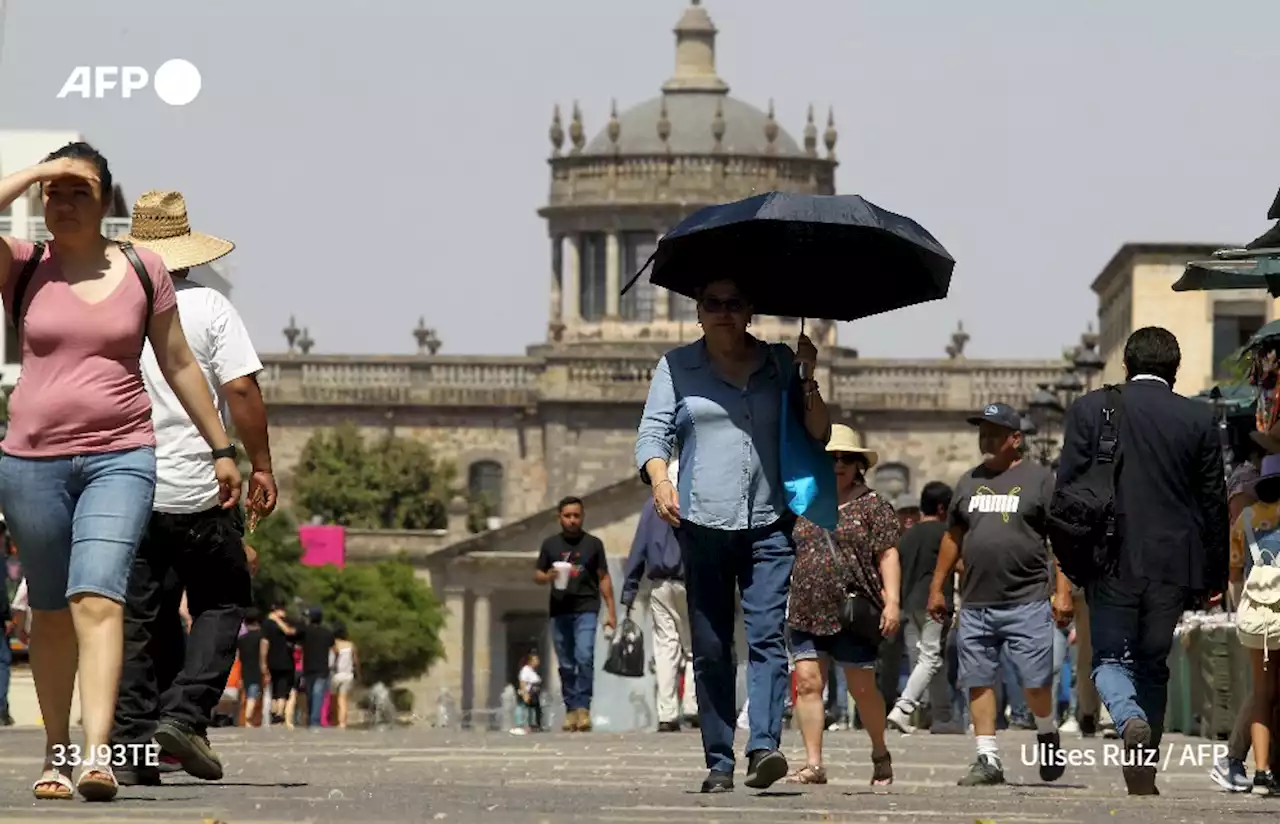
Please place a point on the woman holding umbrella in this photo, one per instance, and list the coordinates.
(720, 399)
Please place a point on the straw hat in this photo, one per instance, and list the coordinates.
(1269, 441)
(844, 439)
(160, 224)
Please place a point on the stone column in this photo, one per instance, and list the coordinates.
(482, 671)
(453, 639)
(557, 285)
(612, 266)
(661, 302)
(572, 279)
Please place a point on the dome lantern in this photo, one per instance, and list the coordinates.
(771, 131)
(695, 54)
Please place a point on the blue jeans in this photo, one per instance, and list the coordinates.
(1132, 625)
(719, 563)
(317, 686)
(574, 636)
(6, 659)
(838, 689)
(77, 521)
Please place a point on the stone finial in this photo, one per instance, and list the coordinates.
(305, 342)
(771, 130)
(615, 126)
(428, 342)
(457, 512)
(291, 333)
(557, 132)
(1089, 340)
(959, 338)
(718, 126)
(696, 54)
(811, 135)
(664, 123)
(830, 135)
(576, 131)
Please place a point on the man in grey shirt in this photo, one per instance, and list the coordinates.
(997, 523)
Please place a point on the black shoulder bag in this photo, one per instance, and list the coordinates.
(1082, 513)
(859, 615)
(16, 312)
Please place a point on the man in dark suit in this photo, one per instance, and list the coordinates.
(1171, 522)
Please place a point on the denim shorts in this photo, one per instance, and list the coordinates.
(253, 691)
(77, 521)
(842, 648)
(1022, 632)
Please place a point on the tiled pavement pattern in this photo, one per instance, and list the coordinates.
(420, 774)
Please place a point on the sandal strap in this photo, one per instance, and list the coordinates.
(54, 776)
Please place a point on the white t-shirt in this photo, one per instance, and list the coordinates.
(217, 336)
(529, 677)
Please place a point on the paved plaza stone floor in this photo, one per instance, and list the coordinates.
(420, 774)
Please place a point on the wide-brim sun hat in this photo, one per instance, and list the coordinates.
(160, 224)
(1267, 487)
(844, 439)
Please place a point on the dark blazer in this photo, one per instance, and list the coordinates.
(1171, 501)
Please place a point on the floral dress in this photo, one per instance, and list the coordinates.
(865, 528)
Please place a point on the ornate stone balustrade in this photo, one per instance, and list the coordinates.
(619, 376)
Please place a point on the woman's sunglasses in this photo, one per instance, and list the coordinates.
(847, 459)
(715, 306)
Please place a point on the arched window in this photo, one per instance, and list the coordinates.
(484, 481)
(893, 481)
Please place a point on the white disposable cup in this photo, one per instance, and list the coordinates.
(562, 574)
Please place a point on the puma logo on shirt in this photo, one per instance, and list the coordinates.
(985, 499)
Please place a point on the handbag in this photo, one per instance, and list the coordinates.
(859, 615)
(808, 474)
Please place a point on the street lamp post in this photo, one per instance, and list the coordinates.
(1087, 361)
(1043, 409)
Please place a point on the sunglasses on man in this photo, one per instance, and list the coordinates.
(847, 459)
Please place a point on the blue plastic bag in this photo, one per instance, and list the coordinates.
(808, 473)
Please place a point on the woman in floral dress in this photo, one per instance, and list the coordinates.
(861, 555)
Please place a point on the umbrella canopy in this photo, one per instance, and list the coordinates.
(1231, 273)
(806, 256)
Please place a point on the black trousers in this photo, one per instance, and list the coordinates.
(165, 674)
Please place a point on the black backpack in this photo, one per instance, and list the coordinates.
(1082, 514)
(37, 255)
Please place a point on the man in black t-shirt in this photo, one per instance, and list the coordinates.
(253, 660)
(574, 564)
(279, 637)
(317, 642)
(918, 550)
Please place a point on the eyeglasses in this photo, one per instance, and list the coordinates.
(715, 306)
(846, 458)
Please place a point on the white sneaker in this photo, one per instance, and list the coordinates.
(898, 720)
(1071, 726)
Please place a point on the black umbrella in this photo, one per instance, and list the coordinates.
(814, 256)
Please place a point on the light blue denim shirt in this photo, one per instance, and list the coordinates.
(728, 437)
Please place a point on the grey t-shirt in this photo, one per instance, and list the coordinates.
(1006, 558)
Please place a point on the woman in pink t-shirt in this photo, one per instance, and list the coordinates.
(79, 469)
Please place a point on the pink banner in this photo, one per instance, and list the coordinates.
(323, 545)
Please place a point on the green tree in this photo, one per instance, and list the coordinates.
(281, 574)
(392, 616)
(395, 483)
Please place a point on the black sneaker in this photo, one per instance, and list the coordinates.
(1264, 783)
(1138, 776)
(1052, 759)
(191, 748)
(765, 768)
(6, 721)
(718, 782)
(668, 726)
(985, 771)
(1088, 726)
(137, 776)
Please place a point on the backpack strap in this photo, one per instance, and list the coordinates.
(144, 278)
(20, 288)
(1109, 438)
(1251, 538)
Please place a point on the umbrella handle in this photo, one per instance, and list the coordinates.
(804, 373)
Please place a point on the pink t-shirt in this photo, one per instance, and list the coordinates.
(81, 389)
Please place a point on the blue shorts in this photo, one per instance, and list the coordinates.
(842, 648)
(77, 521)
(253, 691)
(1022, 632)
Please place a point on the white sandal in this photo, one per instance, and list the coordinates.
(98, 789)
(64, 790)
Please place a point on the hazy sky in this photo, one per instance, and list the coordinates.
(383, 160)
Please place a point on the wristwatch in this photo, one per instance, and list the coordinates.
(228, 451)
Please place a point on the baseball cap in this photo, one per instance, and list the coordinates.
(1000, 414)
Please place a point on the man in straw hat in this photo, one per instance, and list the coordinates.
(189, 533)
(997, 517)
